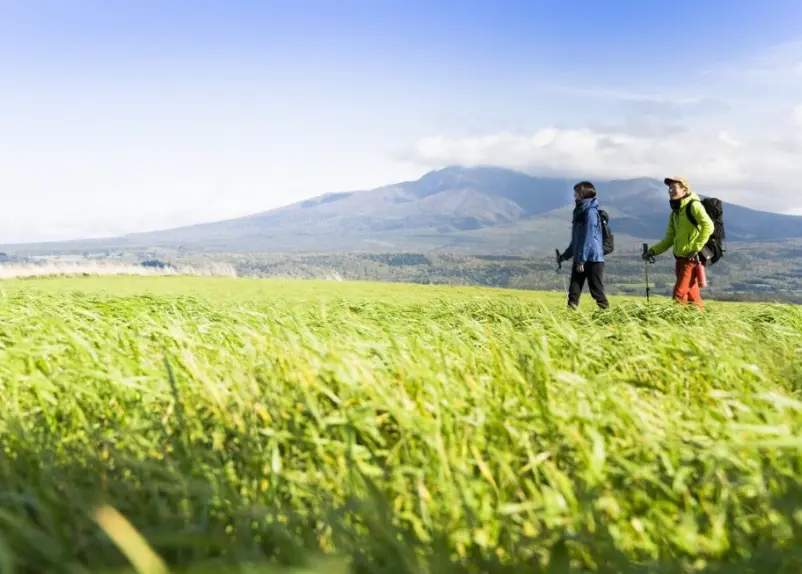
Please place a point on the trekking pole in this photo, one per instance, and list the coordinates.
(559, 268)
(646, 268)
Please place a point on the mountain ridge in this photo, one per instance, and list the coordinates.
(460, 208)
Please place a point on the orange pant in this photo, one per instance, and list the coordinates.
(687, 286)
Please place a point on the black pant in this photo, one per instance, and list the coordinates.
(594, 273)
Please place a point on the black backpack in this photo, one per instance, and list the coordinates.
(608, 239)
(714, 248)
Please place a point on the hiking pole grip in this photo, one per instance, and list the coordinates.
(559, 263)
(650, 259)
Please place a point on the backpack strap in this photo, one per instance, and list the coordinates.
(690, 214)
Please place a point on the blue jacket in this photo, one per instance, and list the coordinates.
(586, 245)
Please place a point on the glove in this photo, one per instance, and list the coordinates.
(648, 255)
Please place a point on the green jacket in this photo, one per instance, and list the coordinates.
(681, 233)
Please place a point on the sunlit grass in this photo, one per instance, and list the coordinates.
(237, 420)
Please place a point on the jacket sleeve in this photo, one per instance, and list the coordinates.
(705, 225)
(668, 240)
(585, 236)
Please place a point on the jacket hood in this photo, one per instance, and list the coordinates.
(585, 204)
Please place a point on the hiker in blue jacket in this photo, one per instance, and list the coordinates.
(586, 248)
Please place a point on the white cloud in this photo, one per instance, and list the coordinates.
(754, 169)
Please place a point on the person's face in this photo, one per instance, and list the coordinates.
(675, 190)
(577, 195)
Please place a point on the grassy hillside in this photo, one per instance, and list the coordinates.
(394, 427)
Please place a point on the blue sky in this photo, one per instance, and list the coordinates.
(123, 116)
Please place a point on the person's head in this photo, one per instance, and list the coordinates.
(677, 187)
(584, 190)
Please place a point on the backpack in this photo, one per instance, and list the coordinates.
(608, 239)
(714, 248)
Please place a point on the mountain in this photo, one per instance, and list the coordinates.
(481, 209)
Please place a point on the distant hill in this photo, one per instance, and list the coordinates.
(481, 209)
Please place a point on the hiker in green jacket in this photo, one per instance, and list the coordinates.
(686, 239)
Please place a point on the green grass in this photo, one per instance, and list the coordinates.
(395, 428)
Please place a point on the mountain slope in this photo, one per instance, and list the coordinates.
(451, 199)
(483, 209)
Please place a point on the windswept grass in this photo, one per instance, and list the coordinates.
(257, 423)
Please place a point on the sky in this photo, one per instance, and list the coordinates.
(121, 116)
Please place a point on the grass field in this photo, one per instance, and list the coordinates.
(252, 426)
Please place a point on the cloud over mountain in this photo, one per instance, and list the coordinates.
(734, 129)
(758, 169)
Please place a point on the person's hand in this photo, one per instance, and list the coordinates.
(580, 268)
(648, 255)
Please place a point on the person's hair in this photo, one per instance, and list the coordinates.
(585, 189)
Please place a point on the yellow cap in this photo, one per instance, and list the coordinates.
(677, 179)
